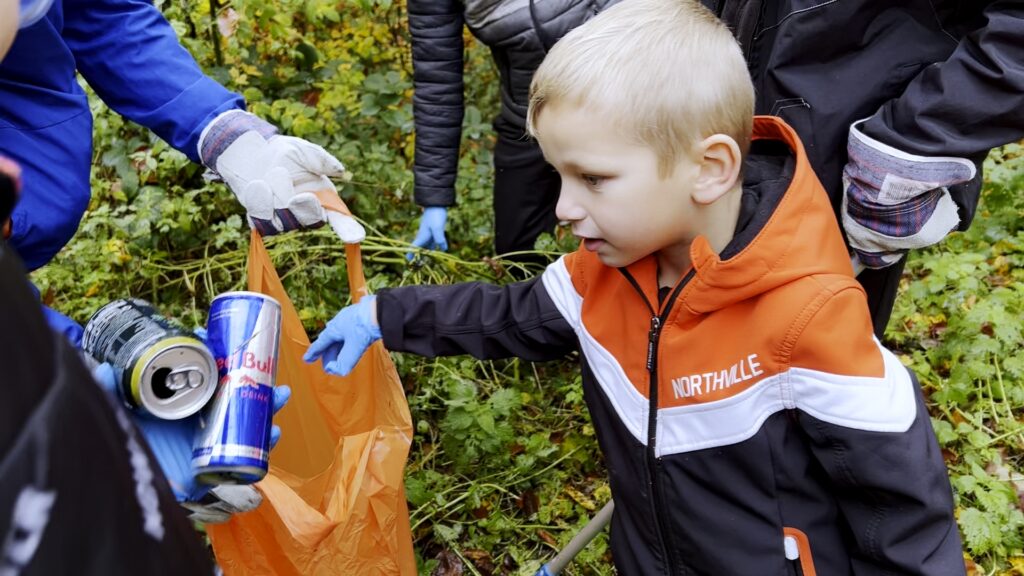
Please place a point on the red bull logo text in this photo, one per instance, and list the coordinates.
(247, 359)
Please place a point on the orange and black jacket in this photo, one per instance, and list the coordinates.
(750, 422)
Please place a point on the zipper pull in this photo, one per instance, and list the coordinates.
(652, 338)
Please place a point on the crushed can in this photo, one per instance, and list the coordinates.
(163, 368)
(232, 442)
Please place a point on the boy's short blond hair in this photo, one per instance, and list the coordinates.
(668, 72)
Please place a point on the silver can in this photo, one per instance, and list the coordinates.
(164, 368)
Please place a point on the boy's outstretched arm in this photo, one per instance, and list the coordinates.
(346, 337)
(864, 418)
(482, 320)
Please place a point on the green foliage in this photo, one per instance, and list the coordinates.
(504, 466)
(958, 325)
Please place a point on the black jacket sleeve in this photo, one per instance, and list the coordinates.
(483, 320)
(967, 105)
(436, 30)
(890, 482)
(894, 494)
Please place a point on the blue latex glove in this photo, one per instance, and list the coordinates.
(346, 337)
(431, 233)
(171, 442)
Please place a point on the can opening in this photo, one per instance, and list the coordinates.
(159, 384)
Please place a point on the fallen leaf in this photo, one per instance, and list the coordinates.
(448, 564)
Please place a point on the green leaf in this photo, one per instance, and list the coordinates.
(504, 401)
(980, 534)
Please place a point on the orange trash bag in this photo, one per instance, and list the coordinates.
(334, 499)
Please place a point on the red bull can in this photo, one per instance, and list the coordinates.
(232, 444)
(164, 369)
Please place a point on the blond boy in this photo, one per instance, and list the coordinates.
(750, 422)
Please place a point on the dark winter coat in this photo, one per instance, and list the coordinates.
(518, 32)
(936, 77)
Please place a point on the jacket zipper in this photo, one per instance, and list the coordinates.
(653, 462)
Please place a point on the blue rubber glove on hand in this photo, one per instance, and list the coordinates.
(346, 337)
(171, 442)
(431, 233)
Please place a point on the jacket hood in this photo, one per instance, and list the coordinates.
(786, 230)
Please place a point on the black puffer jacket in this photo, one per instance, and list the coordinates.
(519, 32)
(936, 77)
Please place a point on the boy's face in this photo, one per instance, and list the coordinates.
(612, 193)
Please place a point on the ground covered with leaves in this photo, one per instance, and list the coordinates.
(504, 467)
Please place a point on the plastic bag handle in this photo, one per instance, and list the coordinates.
(331, 202)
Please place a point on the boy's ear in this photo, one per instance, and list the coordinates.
(720, 162)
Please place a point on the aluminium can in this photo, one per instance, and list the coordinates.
(164, 369)
(232, 442)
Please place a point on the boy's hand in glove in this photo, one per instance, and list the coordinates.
(346, 337)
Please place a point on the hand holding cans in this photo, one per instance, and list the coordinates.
(167, 372)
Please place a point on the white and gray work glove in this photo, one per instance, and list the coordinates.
(894, 201)
(274, 177)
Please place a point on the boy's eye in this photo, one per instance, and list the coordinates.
(591, 180)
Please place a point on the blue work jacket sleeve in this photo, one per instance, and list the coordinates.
(131, 57)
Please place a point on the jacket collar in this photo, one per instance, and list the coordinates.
(786, 230)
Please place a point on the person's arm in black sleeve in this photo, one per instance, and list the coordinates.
(483, 320)
(437, 48)
(871, 433)
(914, 166)
(969, 104)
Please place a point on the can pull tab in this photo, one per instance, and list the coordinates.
(185, 377)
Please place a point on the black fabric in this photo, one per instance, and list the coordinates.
(882, 286)
(767, 173)
(8, 196)
(74, 471)
(483, 320)
(525, 193)
(934, 77)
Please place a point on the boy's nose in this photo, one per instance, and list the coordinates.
(567, 209)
